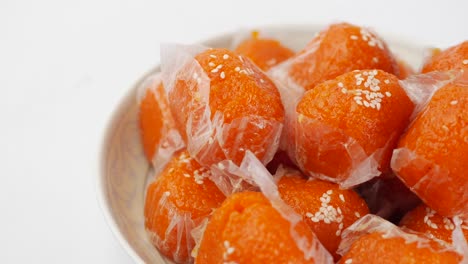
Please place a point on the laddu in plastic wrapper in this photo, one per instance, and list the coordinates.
(178, 202)
(432, 157)
(222, 103)
(324, 206)
(159, 135)
(453, 58)
(266, 52)
(259, 227)
(423, 219)
(375, 240)
(344, 129)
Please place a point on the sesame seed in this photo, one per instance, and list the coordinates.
(354, 37)
(222, 75)
(262, 81)
(465, 62)
(214, 70)
(211, 64)
(213, 56)
(225, 56)
(348, 261)
(388, 94)
(340, 84)
(375, 60)
(343, 90)
(329, 192)
(342, 197)
(357, 214)
(454, 102)
(237, 69)
(386, 81)
(186, 175)
(167, 193)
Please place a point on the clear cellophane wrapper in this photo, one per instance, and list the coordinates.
(209, 139)
(435, 180)
(253, 172)
(374, 224)
(323, 141)
(171, 140)
(420, 89)
(289, 89)
(182, 231)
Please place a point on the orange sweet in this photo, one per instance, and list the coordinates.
(339, 49)
(178, 200)
(366, 107)
(326, 208)
(379, 249)
(455, 57)
(155, 117)
(425, 220)
(432, 158)
(264, 52)
(243, 94)
(247, 229)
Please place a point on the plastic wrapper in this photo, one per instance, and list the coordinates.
(290, 91)
(436, 179)
(427, 167)
(374, 224)
(197, 235)
(459, 240)
(324, 144)
(209, 139)
(171, 140)
(421, 87)
(178, 205)
(178, 232)
(255, 173)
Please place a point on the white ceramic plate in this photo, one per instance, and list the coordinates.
(123, 171)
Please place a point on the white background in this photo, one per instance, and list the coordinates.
(64, 66)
